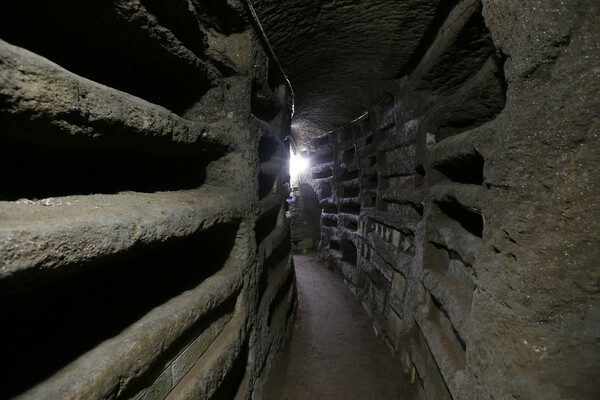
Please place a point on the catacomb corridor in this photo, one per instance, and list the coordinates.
(448, 178)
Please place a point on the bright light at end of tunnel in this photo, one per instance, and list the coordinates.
(298, 164)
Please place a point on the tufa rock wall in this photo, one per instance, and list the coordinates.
(462, 209)
(145, 250)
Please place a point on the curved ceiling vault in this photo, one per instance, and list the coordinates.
(341, 55)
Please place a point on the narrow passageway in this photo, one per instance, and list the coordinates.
(333, 352)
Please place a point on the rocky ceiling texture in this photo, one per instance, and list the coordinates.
(342, 55)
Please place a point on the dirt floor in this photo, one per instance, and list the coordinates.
(333, 353)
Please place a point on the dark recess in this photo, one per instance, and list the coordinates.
(452, 255)
(265, 225)
(275, 261)
(265, 184)
(235, 377)
(351, 191)
(369, 182)
(157, 368)
(330, 208)
(81, 166)
(443, 311)
(349, 252)
(279, 297)
(348, 175)
(334, 245)
(329, 222)
(372, 200)
(351, 224)
(268, 147)
(263, 108)
(101, 42)
(324, 173)
(470, 220)
(324, 190)
(462, 59)
(467, 168)
(322, 141)
(323, 158)
(49, 327)
(348, 156)
(485, 101)
(350, 209)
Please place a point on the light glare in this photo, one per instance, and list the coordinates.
(298, 164)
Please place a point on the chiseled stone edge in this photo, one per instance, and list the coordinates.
(55, 235)
(205, 377)
(105, 371)
(38, 89)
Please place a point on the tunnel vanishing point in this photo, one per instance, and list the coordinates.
(145, 240)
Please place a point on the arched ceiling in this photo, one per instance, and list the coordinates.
(341, 55)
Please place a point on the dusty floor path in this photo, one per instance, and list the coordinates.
(333, 353)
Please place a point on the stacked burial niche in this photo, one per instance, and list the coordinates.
(399, 188)
(449, 207)
(145, 250)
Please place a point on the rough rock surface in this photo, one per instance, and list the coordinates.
(144, 246)
(144, 241)
(341, 55)
(462, 209)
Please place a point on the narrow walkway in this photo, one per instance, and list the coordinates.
(333, 353)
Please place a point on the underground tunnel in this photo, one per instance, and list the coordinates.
(446, 168)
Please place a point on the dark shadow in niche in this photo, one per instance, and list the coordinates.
(265, 184)
(334, 245)
(347, 175)
(460, 347)
(371, 201)
(48, 328)
(112, 45)
(482, 102)
(82, 166)
(264, 108)
(462, 58)
(350, 208)
(265, 103)
(470, 220)
(349, 252)
(159, 365)
(346, 134)
(266, 224)
(329, 208)
(348, 155)
(279, 300)
(277, 260)
(329, 222)
(369, 182)
(324, 173)
(322, 141)
(234, 377)
(350, 191)
(323, 158)
(267, 147)
(464, 169)
(350, 224)
(324, 190)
